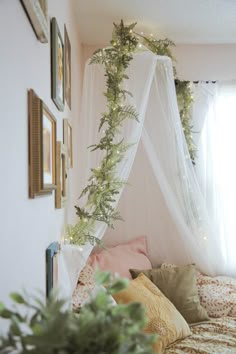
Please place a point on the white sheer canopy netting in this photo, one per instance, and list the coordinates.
(214, 118)
(164, 201)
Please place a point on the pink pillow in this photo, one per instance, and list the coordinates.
(121, 258)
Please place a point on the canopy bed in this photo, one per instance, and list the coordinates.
(197, 313)
(164, 203)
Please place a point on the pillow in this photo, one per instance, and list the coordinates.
(86, 289)
(163, 318)
(85, 286)
(217, 294)
(179, 285)
(120, 258)
(170, 265)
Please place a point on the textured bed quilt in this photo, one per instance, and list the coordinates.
(217, 336)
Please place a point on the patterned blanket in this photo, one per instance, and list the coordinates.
(217, 336)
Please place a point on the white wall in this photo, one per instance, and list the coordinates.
(198, 62)
(206, 62)
(28, 226)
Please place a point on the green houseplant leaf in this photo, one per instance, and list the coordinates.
(99, 328)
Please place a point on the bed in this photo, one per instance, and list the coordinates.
(212, 336)
(217, 336)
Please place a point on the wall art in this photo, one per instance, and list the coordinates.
(37, 12)
(67, 68)
(61, 175)
(42, 147)
(68, 141)
(57, 66)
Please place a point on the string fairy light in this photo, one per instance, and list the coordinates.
(98, 206)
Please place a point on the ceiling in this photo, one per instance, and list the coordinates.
(183, 21)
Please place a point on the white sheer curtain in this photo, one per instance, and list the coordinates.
(215, 119)
(164, 200)
(93, 104)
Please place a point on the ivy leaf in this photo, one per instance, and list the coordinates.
(37, 328)
(102, 277)
(2, 307)
(118, 285)
(5, 313)
(16, 297)
(15, 328)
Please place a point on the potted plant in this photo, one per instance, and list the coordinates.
(39, 327)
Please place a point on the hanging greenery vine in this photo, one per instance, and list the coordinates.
(183, 89)
(103, 184)
(185, 101)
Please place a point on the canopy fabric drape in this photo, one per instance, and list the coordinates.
(163, 200)
(214, 118)
(93, 104)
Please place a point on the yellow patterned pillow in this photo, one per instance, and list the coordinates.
(163, 318)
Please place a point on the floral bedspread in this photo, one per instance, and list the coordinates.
(217, 336)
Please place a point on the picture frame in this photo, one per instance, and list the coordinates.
(61, 176)
(67, 68)
(37, 12)
(68, 141)
(42, 147)
(57, 66)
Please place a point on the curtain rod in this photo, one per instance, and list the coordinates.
(206, 82)
(197, 81)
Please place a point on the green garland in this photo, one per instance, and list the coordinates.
(185, 101)
(183, 90)
(103, 184)
(158, 46)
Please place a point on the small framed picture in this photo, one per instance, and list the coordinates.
(42, 147)
(67, 140)
(67, 68)
(61, 176)
(37, 12)
(57, 66)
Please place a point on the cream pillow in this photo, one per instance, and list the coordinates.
(86, 289)
(217, 295)
(163, 318)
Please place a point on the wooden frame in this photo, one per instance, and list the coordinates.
(68, 141)
(61, 176)
(52, 267)
(37, 12)
(57, 66)
(67, 68)
(42, 147)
